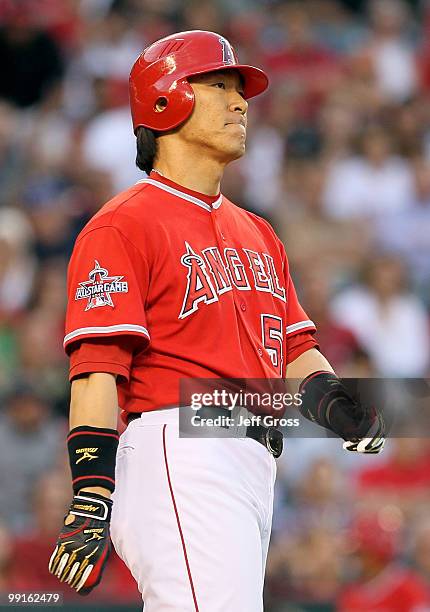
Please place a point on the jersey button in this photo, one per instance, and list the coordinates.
(260, 351)
(243, 306)
(222, 236)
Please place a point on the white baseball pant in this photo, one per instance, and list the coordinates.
(192, 516)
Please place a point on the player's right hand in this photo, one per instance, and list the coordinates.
(374, 440)
(83, 545)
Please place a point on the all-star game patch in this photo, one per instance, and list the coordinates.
(97, 290)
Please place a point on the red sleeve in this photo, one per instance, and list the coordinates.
(107, 284)
(111, 355)
(300, 343)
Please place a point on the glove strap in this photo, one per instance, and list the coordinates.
(92, 506)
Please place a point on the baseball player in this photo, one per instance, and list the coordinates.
(169, 281)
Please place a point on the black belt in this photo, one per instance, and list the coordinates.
(270, 437)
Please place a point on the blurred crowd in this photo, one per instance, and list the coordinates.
(338, 159)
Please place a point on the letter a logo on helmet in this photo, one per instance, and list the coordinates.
(161, 97)
(227, 51)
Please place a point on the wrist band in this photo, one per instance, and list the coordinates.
(92, 454)
(326, 401)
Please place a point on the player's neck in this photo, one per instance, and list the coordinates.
(202, 175)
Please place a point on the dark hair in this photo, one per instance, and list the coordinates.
(146, 142)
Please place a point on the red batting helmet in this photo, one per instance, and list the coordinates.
(160, 75)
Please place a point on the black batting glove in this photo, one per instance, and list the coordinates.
(83, 545)
(373, 441)
(326, 401)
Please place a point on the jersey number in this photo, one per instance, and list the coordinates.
(273, 340)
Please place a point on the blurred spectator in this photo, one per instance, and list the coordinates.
(391, 52)
(262, 190)
(110, 146)
(30, 58)
(320, 497)
(5, 558)
(306, 535)
(40, 335)
(381, 583)
(203, 15)
(339, 120)
(108, 142)
(407, 122)
(375, 183)
(45, 134)
(407, 233)
(112, 46)
(323, 448)
(49, 206)
(401, 480)
(10, 156)
(63, 20)
(420, 552)
(389, 321)
(336, 247)
(339, 344)
(30, 441)
(294, 55)
(17, 264)
(18, 268)
(337, 26)
(305, 567)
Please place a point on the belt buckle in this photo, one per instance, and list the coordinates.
(274, 441)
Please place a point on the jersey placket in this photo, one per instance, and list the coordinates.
(239, 302)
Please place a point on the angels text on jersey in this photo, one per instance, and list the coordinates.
(210, 273)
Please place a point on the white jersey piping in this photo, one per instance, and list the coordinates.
(108, 329)
(183, 195)
(300, 325)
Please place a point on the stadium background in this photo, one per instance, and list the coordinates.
(338, 158)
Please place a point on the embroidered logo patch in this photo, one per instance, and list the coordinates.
(97, 290)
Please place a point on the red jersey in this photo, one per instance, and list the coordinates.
(201, 286)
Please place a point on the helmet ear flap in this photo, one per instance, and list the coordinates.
(162, 108)
(174, 106)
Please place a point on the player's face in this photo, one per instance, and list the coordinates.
(218, 121)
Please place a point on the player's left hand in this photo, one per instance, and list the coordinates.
(83, 545)
(373, 442)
